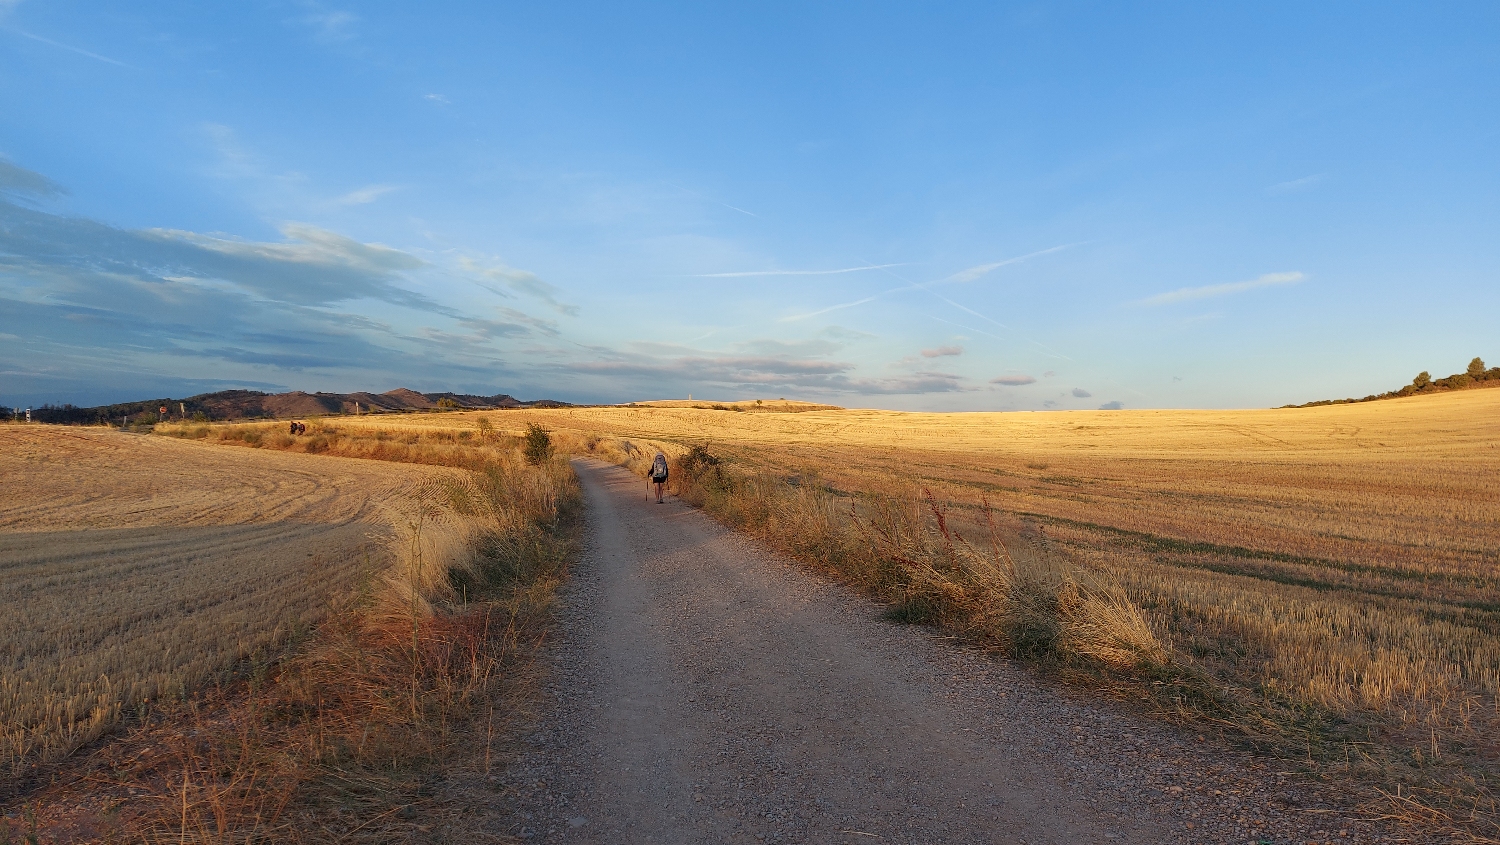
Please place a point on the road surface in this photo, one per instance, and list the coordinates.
(705, 690)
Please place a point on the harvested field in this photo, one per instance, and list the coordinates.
(132, 568)
(1334, 570)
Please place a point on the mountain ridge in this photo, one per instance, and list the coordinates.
(256, 404)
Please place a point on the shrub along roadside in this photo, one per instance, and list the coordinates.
(352, 737)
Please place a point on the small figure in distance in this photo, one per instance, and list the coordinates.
(294, 428)
(659, 475)
(301, 428)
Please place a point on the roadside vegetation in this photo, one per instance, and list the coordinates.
(1318, 584)
(367, 726)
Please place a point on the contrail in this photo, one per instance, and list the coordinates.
(1046, 350)
(792, 272)
(71, 48)
(714, 201)
(968, 275)
(968, 309)
(973, 273)
(926, 287)
(965, 328)
(840, 306)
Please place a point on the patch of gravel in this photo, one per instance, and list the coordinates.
(703, 689)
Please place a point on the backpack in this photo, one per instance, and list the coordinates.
(659, 467)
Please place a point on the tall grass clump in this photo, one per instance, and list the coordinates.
(1012, 593)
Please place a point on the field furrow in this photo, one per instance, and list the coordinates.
(134, 567)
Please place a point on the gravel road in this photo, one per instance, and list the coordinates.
(703, 689)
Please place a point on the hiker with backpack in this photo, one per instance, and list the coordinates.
(659, 475)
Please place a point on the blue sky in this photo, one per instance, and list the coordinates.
(970, 207)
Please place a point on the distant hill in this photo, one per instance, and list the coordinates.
(1474, 376)
(253, 404)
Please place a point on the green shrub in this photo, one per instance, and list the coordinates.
(538, 444)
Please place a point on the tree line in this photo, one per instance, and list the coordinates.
(1475, 375)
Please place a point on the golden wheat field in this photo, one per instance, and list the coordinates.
(1340, 565)
(134, 567)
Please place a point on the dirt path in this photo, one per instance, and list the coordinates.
(706, 691)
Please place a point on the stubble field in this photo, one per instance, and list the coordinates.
(1334, 570)
(132, 568)
(1333, 573)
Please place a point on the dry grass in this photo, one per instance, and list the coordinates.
(399, 690)
(125, 582)
(1327, 578)
(402, 676)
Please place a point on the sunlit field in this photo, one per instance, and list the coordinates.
(133, 567)
(369, 591)
(1336, 567)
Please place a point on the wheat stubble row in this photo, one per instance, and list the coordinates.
(133, 567)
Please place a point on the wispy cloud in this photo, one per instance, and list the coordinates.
(313, 266)
(1013, 381)
(752, 372)
(61, 46)
(236, 161)
(1116, 405)
(365, 195)
(438, 98)
(520, 281)
(1296, 184)
(1081, 393)
(22, 181)
(942, 352)
(331, 24)
(104, 308)
(792, 272)
(1206, 291)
